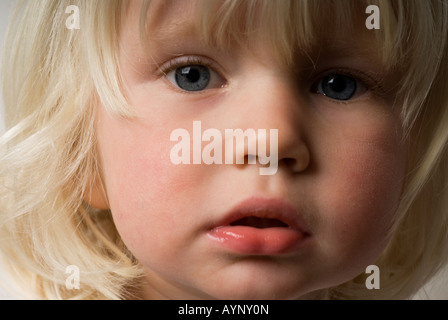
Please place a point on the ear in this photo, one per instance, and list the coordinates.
(96, 195)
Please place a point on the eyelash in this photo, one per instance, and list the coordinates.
(185, 61)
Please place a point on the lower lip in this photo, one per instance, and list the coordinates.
(254, 241)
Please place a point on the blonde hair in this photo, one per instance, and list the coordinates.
(53, 78)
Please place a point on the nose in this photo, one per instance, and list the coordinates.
(269, 102)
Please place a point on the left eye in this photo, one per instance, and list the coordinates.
(194, 78)
(338, 87)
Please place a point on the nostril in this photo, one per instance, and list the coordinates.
(289, 162)
(295, 165)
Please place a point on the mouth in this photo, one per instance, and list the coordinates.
(259, 223)
(259, 226)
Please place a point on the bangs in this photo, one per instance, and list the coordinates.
(290, 27)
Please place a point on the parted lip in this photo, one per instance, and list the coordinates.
(258, 210)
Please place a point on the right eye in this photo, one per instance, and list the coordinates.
(337, 86)
(194, 77)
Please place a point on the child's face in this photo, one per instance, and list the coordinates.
(340, 171)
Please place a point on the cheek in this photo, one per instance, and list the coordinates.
(364, 192)
(144, 189)
(359, 185)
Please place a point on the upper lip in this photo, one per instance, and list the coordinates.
(269, 208)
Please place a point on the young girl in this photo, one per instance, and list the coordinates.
(93, 206)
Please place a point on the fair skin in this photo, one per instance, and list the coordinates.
(341, 167)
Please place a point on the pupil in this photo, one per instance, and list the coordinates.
(337, 84)
(192, 75)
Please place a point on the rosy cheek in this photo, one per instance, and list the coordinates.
(144, 188)
(363, 183)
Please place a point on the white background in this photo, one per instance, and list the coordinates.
(437, 289)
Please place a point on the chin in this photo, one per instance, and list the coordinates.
(256, 293)
(262, 287)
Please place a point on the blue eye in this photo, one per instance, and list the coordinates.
(337, 86)
(192, 78)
